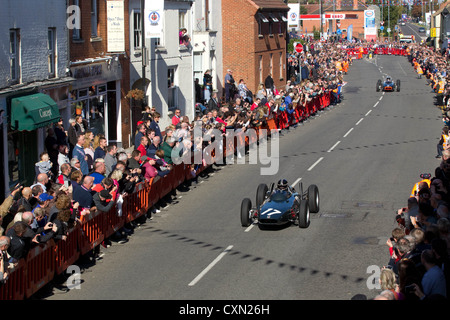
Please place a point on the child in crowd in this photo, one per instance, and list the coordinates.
(44, 165)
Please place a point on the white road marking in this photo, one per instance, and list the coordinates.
(210, 266)
(402, 68)
(315, 164)
(348, 132)
(332, 148)
(296, 182)
(368, 112)
(249, 227)
(360, 120)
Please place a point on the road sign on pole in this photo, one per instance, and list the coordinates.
(299, 47)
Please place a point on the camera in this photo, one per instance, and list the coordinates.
(400, 218)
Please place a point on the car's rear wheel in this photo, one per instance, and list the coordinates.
(303, 215)
(313, 198)
(261, 194)
(246, 206)
(378, 85)
(398, 85)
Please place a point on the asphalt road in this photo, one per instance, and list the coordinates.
(364, 155)
(413, 29)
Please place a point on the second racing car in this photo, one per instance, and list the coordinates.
(388, 85)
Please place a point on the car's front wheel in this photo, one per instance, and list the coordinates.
(313, 198)
(261, 194)
(246, 206)
(303, 214)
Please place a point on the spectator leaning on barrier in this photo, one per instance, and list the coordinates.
(148, 167)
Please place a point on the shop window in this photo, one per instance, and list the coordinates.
(137, 30)
(173, 90)
(94, 19)
(51, 47)
(281, 65)
(76, 29)
(90, 103)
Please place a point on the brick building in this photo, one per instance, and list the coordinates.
(254, 40)
(99, 61)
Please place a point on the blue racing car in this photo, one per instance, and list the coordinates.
(388, 85)
(280, 205)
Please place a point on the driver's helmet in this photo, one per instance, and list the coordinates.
(388, 78)
(282, 184)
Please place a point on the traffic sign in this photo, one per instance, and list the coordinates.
(381, 28)
(299, 47)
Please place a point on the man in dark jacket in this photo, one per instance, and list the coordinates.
(155, 126)
(269, 84)
(101, 200)
(84, 193)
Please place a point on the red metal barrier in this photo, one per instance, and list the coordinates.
(112, 221)
(166, 185)
(14, 287)
(179, 173)
(66, 252)
(155, 190)
(40, 267)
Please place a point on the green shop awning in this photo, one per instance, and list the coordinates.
(33, 111)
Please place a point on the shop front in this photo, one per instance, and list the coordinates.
(27, 113)
(95, 96)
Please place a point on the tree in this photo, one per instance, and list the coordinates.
(416, 11)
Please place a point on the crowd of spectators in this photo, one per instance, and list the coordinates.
(419, 247)
(81, 173)
(77, 176)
